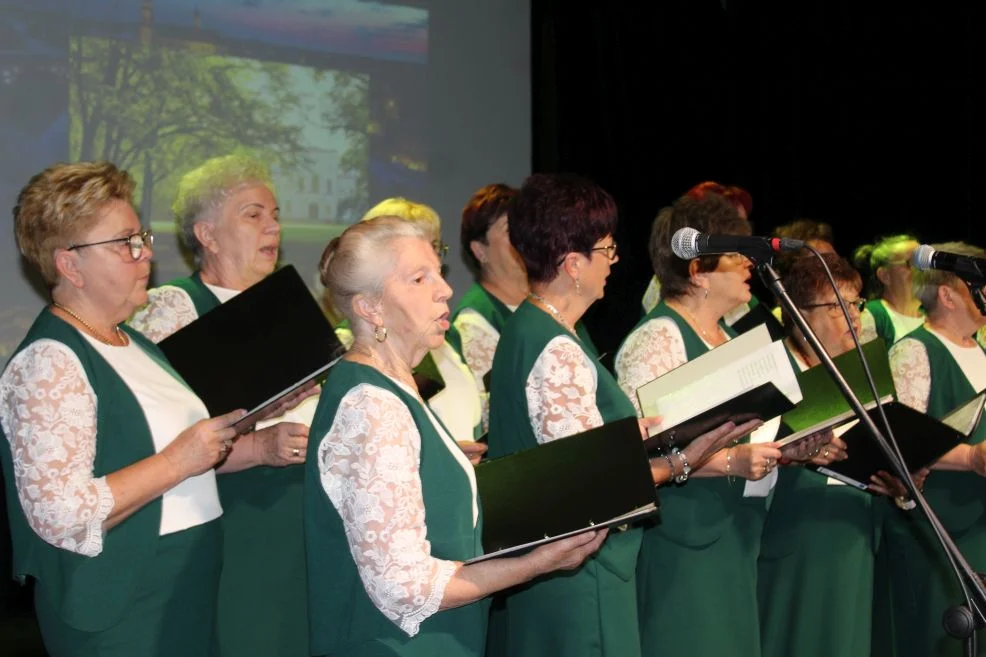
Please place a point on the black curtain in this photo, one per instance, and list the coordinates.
(866, 115)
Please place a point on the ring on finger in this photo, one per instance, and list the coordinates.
(296, 452)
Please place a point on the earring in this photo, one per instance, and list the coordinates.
(578, 286)
(706, 293)
(380, 333)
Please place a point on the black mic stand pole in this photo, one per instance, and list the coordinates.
(961, 621)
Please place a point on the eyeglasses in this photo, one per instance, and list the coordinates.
(834, 308)
(610, 250)
(135, 242)
(441, 248)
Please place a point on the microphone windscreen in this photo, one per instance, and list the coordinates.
(922, 258)
(683, 243)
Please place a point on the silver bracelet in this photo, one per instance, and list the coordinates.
(905, 503)
(667, 457)
(686, 469)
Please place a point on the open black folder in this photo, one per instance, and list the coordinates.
(748, 377)
(823, 406)
(588, 481)
(922, 440)
(256, 348)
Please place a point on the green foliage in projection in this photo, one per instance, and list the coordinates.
(158, 111)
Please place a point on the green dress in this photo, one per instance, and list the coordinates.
(590, 611)
(697, 572)
(815, 584)
(143, 594)
(344, 620)
(924, 585)
(263, 609)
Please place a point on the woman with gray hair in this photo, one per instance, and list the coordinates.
(391, 508)
(228, 220)
(936, 368)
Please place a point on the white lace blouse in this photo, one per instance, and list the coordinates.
(479, 340)
(561, 391)
(368, 464)
(49, 414)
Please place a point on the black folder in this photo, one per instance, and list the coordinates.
(922, 440)
(765, 402)
(759, 314)
(428, 378)
(588, 481)
(259, 346)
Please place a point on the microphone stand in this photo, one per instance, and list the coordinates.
(960, 621)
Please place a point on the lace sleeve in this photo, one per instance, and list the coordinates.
(479, 341)
(561, 392)
(48, 412)
(168, 309)
(912, 373)
(652, 350)
(368, 464)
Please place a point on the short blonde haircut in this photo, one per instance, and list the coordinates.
(60, 205)
(926, 283)
(417, 213)
(361, 259)
(203, 191)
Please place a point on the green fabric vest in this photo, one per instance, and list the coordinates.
(881, 319)
(697, 512)
(343, 619)
(521, 343)
(202, 297)
(497, 313)
(92, 593)
(957, 497)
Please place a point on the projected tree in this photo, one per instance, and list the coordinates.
(159, 111)
(349, 111)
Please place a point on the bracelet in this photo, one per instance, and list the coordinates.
(686, 469)
(667, 457)
(905, 503)
(729, 464)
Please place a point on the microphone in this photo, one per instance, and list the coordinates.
(969, 268)
(688, 243)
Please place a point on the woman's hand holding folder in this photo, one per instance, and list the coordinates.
(699, 450)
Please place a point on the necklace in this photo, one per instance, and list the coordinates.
(694, 322)
(120, 336)
(550, 308)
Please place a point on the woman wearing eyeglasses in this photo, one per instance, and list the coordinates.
(893, 311)
(108, 458)
(816, 567)
(697, 571)
(228, 220)
(937, 368)
(547, 385)
(459, 404)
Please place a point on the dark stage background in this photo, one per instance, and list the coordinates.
(867, 115)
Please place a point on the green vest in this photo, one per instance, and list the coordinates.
(343, 619)
(523, 339)
(92, 593)
(202, 297)
(957, 497)
(697, 512)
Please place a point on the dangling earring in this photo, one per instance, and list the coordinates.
(706, 293)
(380, 333)
(578, 286)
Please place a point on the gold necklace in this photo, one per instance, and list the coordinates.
(550, 308)
(694, 322)
(96, 334)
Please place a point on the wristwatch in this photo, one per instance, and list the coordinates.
(686, 469)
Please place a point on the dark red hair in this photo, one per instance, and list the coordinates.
(553, 215)
(488, 204)
(739, 197)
